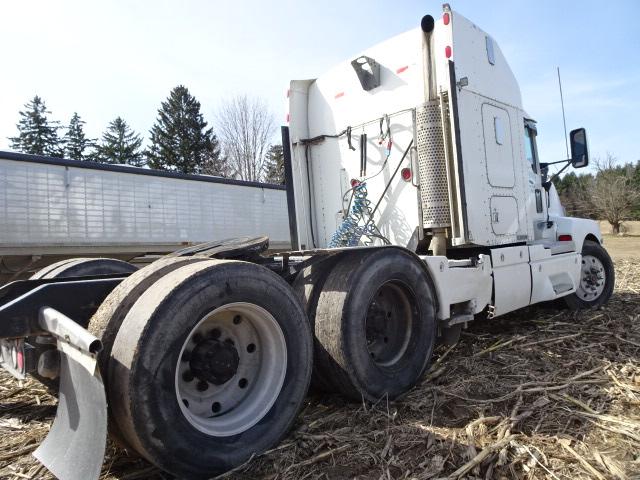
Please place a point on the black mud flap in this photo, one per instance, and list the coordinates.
(75, 446)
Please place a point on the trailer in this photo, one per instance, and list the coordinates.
(417, 204)
(52, 209)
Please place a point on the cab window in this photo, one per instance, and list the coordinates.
(529, 148)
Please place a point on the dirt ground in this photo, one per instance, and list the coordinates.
(543, 393)
(622, 247)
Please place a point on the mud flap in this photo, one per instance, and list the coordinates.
(74, 448)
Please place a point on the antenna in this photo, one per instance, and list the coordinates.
(564, 120)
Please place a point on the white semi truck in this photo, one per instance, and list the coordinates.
(417, 203)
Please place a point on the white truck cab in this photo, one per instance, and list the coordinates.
(422, 141)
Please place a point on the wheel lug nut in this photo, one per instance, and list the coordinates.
(202, 386)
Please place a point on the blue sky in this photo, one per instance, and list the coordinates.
(119, 57)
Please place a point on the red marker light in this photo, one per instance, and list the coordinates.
(446, 18)
(19, 360)
(565, 238)
(447, 51)
(406, 174)
(338, 95)
(402, 69)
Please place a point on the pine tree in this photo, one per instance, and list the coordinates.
(36, 134)
(76, 145)
(180, 140)
(274, 164)
(120, 144)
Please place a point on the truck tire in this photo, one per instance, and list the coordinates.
(376, 324)
(597, 278)
(76, 267)
(44, 271)
(106, 322)
(307, 286)
(210, 366)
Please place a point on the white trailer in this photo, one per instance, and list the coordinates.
(52, 209)
(417, 203)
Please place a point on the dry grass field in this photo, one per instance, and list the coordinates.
(543, 393)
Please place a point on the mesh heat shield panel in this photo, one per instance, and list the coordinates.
(434, 190)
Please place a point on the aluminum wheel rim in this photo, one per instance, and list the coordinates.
(389, 324)
(592, 278)
(248, 391)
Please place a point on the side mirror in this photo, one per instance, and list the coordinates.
(579, 148)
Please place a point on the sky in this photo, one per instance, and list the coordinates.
(113, 58)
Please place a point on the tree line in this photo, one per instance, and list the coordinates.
(612, 193)
(180, 139)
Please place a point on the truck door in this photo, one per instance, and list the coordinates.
(536, 199)
(485, 125)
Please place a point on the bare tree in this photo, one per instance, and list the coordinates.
(245, 127)
(614, 194)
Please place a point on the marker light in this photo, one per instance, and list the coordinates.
(447, 51)
(354, 183)
(565, 238)
(446, 18)
(406, 174)
(402, 69)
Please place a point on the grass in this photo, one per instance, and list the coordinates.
(541, 393)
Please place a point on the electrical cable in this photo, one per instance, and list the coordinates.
(350, 230)
(359, 205)
(306, 157)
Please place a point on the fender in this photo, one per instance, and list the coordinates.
(580, 229)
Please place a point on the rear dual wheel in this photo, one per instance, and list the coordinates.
(375, 324)
(209, 366)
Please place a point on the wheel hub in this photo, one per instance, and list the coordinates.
(214, 361)
(388, 323)
(230, 369)
(593, 278)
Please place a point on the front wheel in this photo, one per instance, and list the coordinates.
(597, 278)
